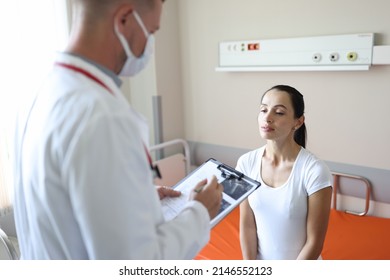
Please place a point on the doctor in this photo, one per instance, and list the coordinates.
(84, 186)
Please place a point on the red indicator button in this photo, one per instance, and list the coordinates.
(254, 47)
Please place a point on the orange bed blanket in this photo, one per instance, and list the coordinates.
(349, 237)
(224, 241)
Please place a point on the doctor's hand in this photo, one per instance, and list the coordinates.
(209, 193)
(167, 192)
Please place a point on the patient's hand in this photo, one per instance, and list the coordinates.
(167, 192)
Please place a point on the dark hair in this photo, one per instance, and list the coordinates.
(299, 109)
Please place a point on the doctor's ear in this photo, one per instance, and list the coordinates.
(123, 13)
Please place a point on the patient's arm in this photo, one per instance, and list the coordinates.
(317, 223)
(248, 232)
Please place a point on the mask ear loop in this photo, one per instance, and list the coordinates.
(141, 23)
(123, 41)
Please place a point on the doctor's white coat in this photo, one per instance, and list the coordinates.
(84, 188)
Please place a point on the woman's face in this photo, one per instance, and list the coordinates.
(277, 117)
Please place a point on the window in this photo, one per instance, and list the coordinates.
(31, 34)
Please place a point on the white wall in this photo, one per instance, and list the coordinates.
(169, 72)
(347, 112)
(139, 91)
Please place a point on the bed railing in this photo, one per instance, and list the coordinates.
(336, 187)
(176, 165)
(174, 142)
(8, 246)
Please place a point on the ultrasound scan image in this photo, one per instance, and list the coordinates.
(235, 188)
(224, 205)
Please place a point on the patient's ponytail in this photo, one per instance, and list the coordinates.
(300, 135)
(299, 109)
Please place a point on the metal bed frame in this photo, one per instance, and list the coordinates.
(336, 186)
(9, 247)
(174, 142)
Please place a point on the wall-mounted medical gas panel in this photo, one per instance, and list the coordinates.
(323, 53)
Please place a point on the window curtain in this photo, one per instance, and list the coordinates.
(31, 34)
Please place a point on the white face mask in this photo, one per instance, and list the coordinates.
(133, 64)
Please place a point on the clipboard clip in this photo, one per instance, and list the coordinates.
(229, 173)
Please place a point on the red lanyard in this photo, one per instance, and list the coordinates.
(85, 73)
(154, 168)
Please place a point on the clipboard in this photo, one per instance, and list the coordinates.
(237, 187)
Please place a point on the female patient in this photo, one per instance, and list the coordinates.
(287, 217)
